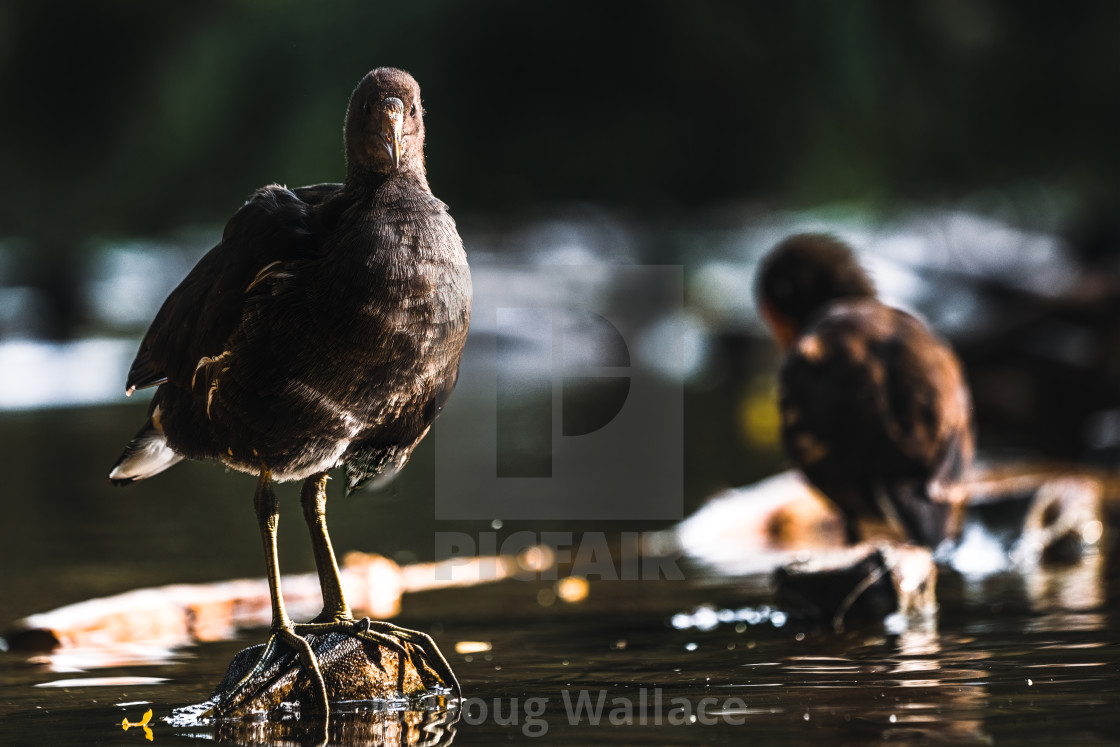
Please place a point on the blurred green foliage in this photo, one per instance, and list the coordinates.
(128, 118)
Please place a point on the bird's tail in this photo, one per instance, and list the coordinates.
(145, 455)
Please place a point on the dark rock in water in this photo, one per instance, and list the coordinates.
(1040, 519)
(376, 703)
(358, 674)
(863, 582)
(1066, 520)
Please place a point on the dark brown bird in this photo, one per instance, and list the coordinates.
(875, 410)
(324, 330)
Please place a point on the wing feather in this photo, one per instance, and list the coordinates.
(275, 225)
(870, 396)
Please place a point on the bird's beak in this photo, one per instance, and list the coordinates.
(783, 330)
(392, 120)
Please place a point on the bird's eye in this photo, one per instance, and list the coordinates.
(365, 107)
(413, 112)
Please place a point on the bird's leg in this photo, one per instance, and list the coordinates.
(313, 498)
(336, 615)
(910, 509)
(267, 507)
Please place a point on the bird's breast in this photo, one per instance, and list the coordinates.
(378, 327)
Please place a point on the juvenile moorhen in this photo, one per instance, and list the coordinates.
(875, 410)
(325, 329)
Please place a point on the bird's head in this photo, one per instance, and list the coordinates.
(384, 128)
(802, 275)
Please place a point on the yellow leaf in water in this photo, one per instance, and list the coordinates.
(126, 725)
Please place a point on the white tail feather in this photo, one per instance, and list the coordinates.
(146, 455)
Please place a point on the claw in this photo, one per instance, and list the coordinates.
(354, 628)
(311, 663)
(425, 643)
(306, 656)
(393, 637)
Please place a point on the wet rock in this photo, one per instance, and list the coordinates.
(1065, 520)
(1040, 519)
(353, 670)
(864, 582)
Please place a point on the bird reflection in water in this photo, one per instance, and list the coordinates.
(375, 727)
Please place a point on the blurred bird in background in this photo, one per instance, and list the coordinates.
(874, 407)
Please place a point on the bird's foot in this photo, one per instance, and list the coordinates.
(434, 659)
(389, 636)
(280, 635)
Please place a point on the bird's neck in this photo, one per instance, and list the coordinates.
(363, 180)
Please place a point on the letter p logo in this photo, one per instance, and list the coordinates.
(555, 416)
(591, 367)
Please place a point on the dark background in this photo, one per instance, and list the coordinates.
(133, 118)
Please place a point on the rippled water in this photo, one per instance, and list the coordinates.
(1009, 659)
(613, 671)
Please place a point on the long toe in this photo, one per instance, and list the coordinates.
(252, 684)
(364, 629)
(380, 630)
(403, 641)
(310, 663)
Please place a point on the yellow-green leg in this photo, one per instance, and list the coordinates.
(336, 615)
(313, 498)
(267, 507)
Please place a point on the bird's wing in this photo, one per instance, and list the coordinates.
(195, 321)
(870, 391)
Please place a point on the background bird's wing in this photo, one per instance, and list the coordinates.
(829, 404)
(869, 394)
(197, 318)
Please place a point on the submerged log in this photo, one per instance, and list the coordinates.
(1045, 524)
(1037, 516)
(865, 582)
(179, 614)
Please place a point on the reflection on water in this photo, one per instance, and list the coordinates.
(1014, 657)
(421, 729)
(623, 667)
(423, 724)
